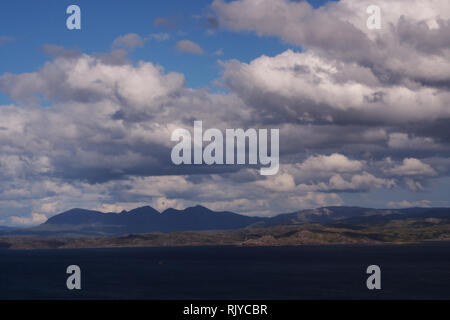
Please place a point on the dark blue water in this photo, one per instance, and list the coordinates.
(309, 272)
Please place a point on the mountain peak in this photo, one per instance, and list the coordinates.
(199, 207)
(144, 210)
(146, 219)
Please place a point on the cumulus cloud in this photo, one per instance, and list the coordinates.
(98, 110)
(34, 219)
(335, 163)
(159, 36)
(323, 174)
(129, 41)
(403, 141)
(358, 182)
(106, 122)
(282, 182)
(412, 167)
(306, 87)
(104, 143)
(323, 167)
(410, 204)
(414, 185)
(410, 33)
(60, 51)
(350, 88)
(187, 46)
(357, 110)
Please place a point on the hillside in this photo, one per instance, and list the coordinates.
(140, 220)
(393, 232)
(357, 226)
(148, 220)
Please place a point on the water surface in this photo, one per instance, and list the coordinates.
(310, 272)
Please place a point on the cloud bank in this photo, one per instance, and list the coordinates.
(358, 110)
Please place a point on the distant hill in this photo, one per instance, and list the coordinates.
(148, 220)
(354, 215)
(142, 220)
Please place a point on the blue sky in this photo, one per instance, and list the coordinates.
(398, 145)
(34, 23)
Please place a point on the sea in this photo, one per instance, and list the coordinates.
(418, 271)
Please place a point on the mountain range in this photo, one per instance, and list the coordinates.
(4, 228)
(148, 220)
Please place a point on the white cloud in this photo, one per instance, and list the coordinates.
(280, 183)
(348, 100)
(414, 186)
(403, 141)
(412, 167)
(359, 182)
(159, 36)
(410, 204)
(411, 34)
(34, 219)
(307, 87)
(335, 163)
(188, 46)
(129, 41)
(323, 167)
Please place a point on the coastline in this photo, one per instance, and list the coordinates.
(272, 237)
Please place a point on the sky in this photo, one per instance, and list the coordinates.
(86, 116)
